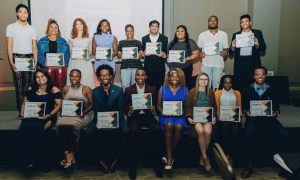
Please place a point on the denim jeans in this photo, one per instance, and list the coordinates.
(214, 74)
(128, 77)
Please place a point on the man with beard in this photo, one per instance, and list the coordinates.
(246, 58)
(213, 62)
(21, 40)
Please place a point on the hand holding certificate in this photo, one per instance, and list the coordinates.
(177, 56)
(104, 53)
(141, 101)
(34, 109)
(108, 120)
(153, 48)
(203, 115)
(55, 59)
(243, 40)
(261, 108)
(230, 113)
(79, 53)
(130, 53)
(211, 48)
(24, 64)
(72, 108)
(172, 108)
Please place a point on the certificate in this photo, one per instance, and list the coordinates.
(34, 109)
(261, 108)
(108, 120)
(55, 59)
(172, 108)
(177, 56)
(141, 101)
(211, 48)
(203, 114)
(130, 53)
(243, 40)
(153, 48)
(72, 108)
(79, 53)
(24, 64)
(230, 113)
(104, 53)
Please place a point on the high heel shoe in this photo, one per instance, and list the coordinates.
(113, 166)
(70, 160)
(103, 167)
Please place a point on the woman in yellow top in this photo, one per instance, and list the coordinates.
(227, 130)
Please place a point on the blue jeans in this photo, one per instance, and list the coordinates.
(214, 74)
(128, 77)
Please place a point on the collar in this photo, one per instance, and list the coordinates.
(105, 89)
(19, 24)
(140, 89)
(264, 86)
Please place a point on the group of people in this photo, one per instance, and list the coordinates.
(92, 83)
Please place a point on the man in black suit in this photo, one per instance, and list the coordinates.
(106, 146)
(155, 64)
(246, 58)
(143, 118)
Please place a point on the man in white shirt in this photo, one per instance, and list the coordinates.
(21, 41)
(214, 48)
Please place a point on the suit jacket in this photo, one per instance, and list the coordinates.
(133, 90)
(256, 51)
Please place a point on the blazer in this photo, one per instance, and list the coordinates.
(133, 90)
(237, 94)
(256, 51)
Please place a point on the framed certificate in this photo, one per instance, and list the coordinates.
(130, 53)
(72, 108)
(177, 56)
(261, 108)
(104, 53)
(55, 59)
(203, 114)
(172, 108)
(141, 101)
(153, 48)
(243, 40)
(79, 53)
(230, 113)
(108, 120)
(211, 48)
(24, 64)
(34, 109)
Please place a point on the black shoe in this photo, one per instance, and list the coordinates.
(132, 172)
(158, 172)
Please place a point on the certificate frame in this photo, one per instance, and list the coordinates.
(34, 109)
(55, 59)
(108, 120)
(71, 108)
(24, 64)
(153, 48)
(261, 108)
(141, 101)
(243, 40)
(211, 48)
(172, 108)
(176, 56)
(203, 115)
(79, 53)
(230, 113)
(130, 52)
(104, 53)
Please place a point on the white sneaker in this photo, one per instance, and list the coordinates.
(169, 167)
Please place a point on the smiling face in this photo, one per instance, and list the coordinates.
(41, 79)
(140, 77)
(79, 26)
(227, 84)
(53, 29)
(259, 76)
(105, 27)
(129, 32)
(75, 77)
(180, 34)
(203, 81)
(154, 28)
(213, 23)
(22, 14)
(174, 78)
(105, 77)
(245, 23)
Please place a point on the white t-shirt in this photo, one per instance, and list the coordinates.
(207, 37)
(154, 38)
(246, 51)
(22, 37)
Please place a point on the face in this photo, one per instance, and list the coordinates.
(79, 26)
(22, 14)
(75, 78)
(53, 29)
(105, 77)
(227, 84)
(259, 76)
(129, 32)
(203, 81)
(180, 33)
(245, 23)
(105, 27)
(174, 78)
(41, 79)
(154, 28)
(140, 77)
(213, 23)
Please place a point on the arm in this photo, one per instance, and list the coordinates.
(259, 42)
(94, 45)
(9, 42)
(115, 47)
(23, 107)
(87, 92)
(56, 108)
(232, 45)
(120, 104)
(195, 55)
(239, 101)
(90, 47)
(218, 97)
(159, 101)
(119, 54)
(35, 53)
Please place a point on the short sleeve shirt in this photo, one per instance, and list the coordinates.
(130, 63)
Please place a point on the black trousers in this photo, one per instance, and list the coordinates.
(155, 68)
